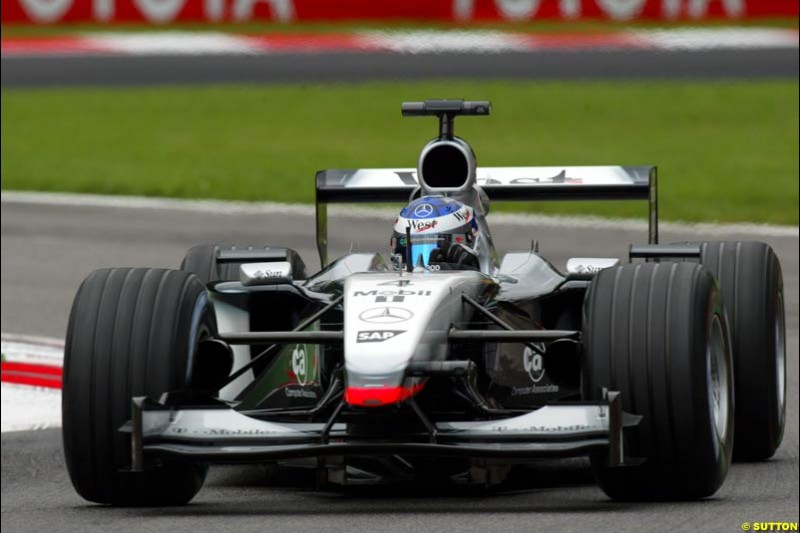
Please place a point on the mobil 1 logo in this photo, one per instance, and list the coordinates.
(399, 294)
(378, 335)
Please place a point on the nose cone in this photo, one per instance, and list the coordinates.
(379, 389)
(391, 320)
(380, 396)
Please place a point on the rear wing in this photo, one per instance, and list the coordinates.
(376, 185)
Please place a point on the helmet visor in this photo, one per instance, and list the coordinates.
(419, 252)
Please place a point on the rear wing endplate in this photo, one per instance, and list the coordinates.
(381, 185)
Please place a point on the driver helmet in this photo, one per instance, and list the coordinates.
(432, 222)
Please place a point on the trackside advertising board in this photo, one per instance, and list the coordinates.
(211, 11)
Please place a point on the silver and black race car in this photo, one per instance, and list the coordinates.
(426, 363)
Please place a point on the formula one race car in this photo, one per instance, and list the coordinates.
(434, 360)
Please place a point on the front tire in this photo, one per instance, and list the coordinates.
(658, 334)
(132, 332)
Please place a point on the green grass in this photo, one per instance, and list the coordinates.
(726, 151)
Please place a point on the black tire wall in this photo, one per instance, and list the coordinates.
(131, 333)
(646, 330)
(749, 274)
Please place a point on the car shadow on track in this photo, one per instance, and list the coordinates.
(543, 475)
(565, 486)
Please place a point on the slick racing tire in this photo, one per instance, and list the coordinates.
(657, 333)
(132, 332)
(749, 274)
(202, 260)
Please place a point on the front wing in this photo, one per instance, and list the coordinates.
(223, 435)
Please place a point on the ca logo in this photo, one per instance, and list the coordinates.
(299, 364)
(533, 363)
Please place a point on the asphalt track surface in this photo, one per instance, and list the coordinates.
(47, 250)
(368, 66)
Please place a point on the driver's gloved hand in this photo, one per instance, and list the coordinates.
(455, 256)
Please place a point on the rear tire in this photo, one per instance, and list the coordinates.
(658, 334)
(202, 260)
(132, 332)
(749, 274)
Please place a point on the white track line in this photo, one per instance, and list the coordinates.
(24, 407)
(33, 340)
(458, 41)
(718, 38)
(220, 207)
(172, 42)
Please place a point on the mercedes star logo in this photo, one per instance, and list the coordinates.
(385, 315)
(423, 210)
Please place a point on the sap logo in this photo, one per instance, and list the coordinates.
(378, 335)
